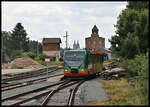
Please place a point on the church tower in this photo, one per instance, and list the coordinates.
(76, 45)
(95, 42)
(95, 31)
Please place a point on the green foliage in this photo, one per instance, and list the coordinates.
(30, 54)
(14, 43)
(6, 49)
(35, 46)
(132, 65)
(42, 62)
(19, 38)
(58, 63)
(138, 5)
(39, 58)
(139, 67)
(142, 82)
(129, 46)
(132, 32)
(42, 56)
(16, 54)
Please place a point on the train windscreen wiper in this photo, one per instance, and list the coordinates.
(68, 64)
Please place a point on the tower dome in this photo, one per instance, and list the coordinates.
(95, 30)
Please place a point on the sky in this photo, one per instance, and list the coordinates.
(53, 19)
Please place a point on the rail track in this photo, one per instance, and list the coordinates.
(29, 74)
(40, 92)
(7, 81)
(26, 83)
(29, 81)
(12, 96)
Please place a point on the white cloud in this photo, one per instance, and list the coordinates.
(102, 19)
(52, 19)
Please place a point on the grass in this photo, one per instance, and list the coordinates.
(4, 65)
(14, 66)
(58, 63)
(120, 92)
(107, 62)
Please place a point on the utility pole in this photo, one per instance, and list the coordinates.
(66, 40)
(37, 47)
(2, 51)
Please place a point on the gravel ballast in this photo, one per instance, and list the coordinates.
(92, 91)
(89, 91)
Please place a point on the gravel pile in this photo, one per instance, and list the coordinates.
(24, 63)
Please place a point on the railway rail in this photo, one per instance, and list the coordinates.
(29, 79)
(62, 86)
(49, 92)
(12, 96)
(72, 94)
(26, 83)
(28, 74)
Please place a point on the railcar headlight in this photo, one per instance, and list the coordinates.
(66, 70)
(82, 69)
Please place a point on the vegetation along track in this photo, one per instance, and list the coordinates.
(49, 93)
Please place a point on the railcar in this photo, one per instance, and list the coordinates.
(82, 63)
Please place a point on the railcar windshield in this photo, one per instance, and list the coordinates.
(73, 58)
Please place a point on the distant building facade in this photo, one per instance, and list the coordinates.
(97, 43)
(94, 42)
(76, 45)
(51, 47)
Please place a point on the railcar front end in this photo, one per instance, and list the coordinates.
(75, 63)
(82, 63)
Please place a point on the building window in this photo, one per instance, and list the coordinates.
(89, 42)
(100, 42)
(94, 42)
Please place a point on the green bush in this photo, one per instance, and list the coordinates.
(37, 58)
(16, 54)
(142, 82)
(130, 66)
(42, 56)
(30, 54)
(139, 67)
(41, 62)
(58, 63)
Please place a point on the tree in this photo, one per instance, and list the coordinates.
(35, 46)
(40, 47)
(129, 46)
(134, 23)
(138, 5)
(6, 45)
(19, 38)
